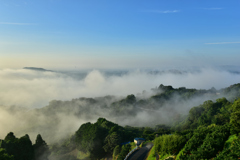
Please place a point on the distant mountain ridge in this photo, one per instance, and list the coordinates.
(37, 69)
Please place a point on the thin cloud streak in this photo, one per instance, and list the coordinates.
(166, 11)
(21, 24)
(223, 43)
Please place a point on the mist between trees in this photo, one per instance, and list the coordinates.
(61, 118)
(125, 98)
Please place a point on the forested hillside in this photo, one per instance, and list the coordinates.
(206, 130)
(165, 105)
(211, 131)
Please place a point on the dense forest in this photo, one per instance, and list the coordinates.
(185, 124)
(13, 148)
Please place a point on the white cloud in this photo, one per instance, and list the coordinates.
(165, 11)
(223, 43)
(216, 8)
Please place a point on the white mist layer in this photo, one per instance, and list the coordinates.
(35, 89)
(27, 88)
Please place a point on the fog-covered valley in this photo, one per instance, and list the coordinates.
(56, 103)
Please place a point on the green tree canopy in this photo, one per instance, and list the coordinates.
(41, 149)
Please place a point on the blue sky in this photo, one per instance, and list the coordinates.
(86, 34)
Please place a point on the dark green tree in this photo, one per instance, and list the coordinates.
(21, 148)
(131, 99)
(124, 151)
(111, 141)
(25, 150)
(41, 149)
(231, 152)
(90, 138)
(4, 155)
(235, 117)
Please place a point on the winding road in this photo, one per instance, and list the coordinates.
(141, 154)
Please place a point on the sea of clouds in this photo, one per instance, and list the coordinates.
(34, 89)
(23, 91)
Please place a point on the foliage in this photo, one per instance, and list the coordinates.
(209, 130)
(82, 155)
(232, 91)
(165, 156)
(202, 134)
(230, 140)
(89, 138)
(235, 117)
(100, 138)
(116, 151)
(41, 149)
(4, 155)
(231, 151)
(63, 146)
(124, 151)
(133, 145)
(169, 144)
(111, 142)
(206, 142)
(22, 148)
(152, 155)
(208, 113)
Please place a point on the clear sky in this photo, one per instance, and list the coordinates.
(119, 33)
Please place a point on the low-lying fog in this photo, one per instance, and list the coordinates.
(23, 92)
